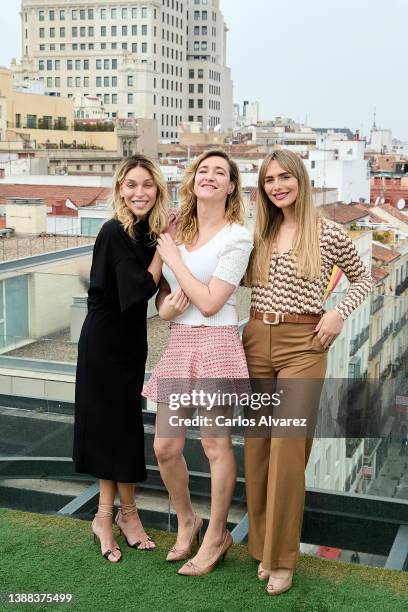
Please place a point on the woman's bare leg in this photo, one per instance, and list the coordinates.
(128, 518)
(102, 523)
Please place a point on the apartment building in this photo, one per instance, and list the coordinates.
(209, 96)
(132, 56)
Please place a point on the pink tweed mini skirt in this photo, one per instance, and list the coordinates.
(198, 353)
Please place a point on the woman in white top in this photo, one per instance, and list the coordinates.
(197, 294)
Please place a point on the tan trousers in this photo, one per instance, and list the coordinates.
(275, 467)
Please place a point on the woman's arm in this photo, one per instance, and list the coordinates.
(155, 267)
(209, 299)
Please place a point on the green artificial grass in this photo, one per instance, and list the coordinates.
(41, 553)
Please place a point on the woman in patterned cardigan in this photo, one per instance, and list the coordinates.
(287, 337)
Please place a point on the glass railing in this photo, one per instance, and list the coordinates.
(40, 322)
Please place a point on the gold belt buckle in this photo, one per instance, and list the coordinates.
(276, 320)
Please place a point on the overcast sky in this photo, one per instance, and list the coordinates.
(328, 61)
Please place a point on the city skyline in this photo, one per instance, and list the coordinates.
(342, 59)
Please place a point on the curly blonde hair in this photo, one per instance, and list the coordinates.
(187, 227)
(157, 217)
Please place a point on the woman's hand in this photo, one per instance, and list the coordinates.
(329, 327)
(173, 305)
(174, 214)
(168, 250)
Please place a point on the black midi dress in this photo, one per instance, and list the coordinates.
(112, 351)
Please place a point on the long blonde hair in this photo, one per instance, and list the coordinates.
(187, 227)
(306, 248)
(157, 217)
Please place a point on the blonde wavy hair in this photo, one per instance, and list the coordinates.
(306, 247)
(157, 217)
(187, 226)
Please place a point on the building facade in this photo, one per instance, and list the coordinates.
(132, 56)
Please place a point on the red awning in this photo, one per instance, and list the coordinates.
(328, 553)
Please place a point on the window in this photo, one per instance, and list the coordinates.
(200, 88)
(144, 47)
(42, 33)
(51, 15)
(18, 120)
(191, 88)
(42, 47)
(103, 13)
(99, 81)
(77, 81)
(62, 32)
(196, 45)
(114, 81)
(31, 121)
(196, 15)
(203, 45)
(62, 15)
(49, 64)
(41, 65)
(74, 14)
(86, 81)
(99, 64)
(204, 15)
(52, 32)
(114, 45)
(114, 64)
(114, 30)
(130, 80)
(82, 31)
(69, 81)
(191, 74)
(144, 12)
(130, 98)
(103, 30)
(90, 31)
(196, 30)
(144, 30)
(82, 14)
(77, 64)
(114, 13)
(106, 64)
(90, 13)
(57, 81)
(134, 47)
(114, 101)
(124, 13)
(41, 15)
(49, 81)
(74, 32)
(86, 64)
(134, 30)
(106, 81)
(200, 73)
(57, 65)
(69, 64)
(200, 103)
(204, 30)
(191, 103)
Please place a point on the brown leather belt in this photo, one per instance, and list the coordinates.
(274, 318)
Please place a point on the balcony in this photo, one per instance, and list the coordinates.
(358, 341)
(401, 287)
(377, 303)
(36, 475)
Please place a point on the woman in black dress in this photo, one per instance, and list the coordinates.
(112, 350)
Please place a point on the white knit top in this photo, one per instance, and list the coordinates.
(225, 256)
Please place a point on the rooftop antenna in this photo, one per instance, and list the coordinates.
(374, 119)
